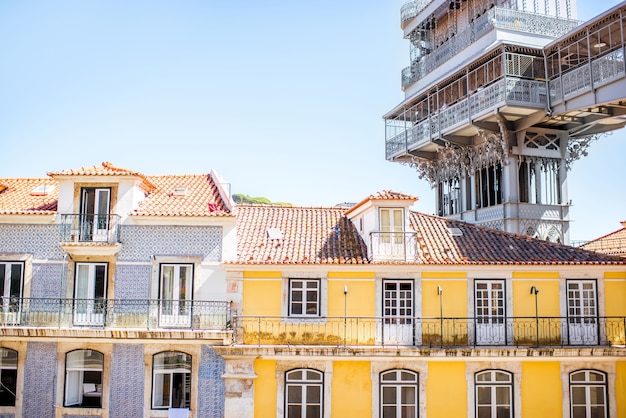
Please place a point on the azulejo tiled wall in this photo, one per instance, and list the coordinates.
(132, 282)
(39, 380)
(210, 384)
(127, 381)
(42, 241)
(139, 243)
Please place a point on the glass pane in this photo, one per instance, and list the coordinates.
(16, 280)
(311, 296)
(578, 412)
(184, 281)
(296, 309)
(313, 394)
(389, 395)
(503, 412)
(294, 411)
(295, 375)
(483, 377)
(408, 412)
(84, 359)
(484, 395)
(408, 395)
(100, 281)
(408, 377)
(167, 283)
(578, 377)
(313, 411)
(8, 358)
(8, 379)
(82, 282)
(311, 285)
(578, 395)
(597, 412)
(311, 308)
(503, 377)
(596, 377)
(172, 360)
(503, 395)
(483, 412)
(296, 296)
(294, 394)
(389, 376)
(596, 395)
(389, 412)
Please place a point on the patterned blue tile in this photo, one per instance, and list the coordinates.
(210, 384)
(39, 380)
(127, 381)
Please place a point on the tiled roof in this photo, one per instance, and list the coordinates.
(17, 198)
(384, 195)
(309, 236)
(611, 244)
(184, 195)
(472, 244)
(326, 236)
(105, 169)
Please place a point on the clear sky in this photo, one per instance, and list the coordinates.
(283, 98)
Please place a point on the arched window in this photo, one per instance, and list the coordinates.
(303, 393)
(8, 376)
(588, 394)
(399, 394)
(171, 380)
(83, 378)
(494, 394)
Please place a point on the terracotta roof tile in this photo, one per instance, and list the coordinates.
(326, 236)
(200, 197)
(611, 244)
(17, 198)
(105, 169)
(309, 236)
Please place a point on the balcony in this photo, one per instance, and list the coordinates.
(115, 314)
(90, 228)
(432, 332)
(509, 91)
(393, 246)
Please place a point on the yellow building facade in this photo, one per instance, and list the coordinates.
(441, 330)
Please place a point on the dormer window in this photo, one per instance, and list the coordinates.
(391, 224)
(42, 190)
(94, 210)
(179, 191)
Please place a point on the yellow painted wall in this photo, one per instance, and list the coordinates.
(351, 389)
(541, 389)
(620, 388)
(614, 297)
(454, 298)
(360, 300)
(446, 390)
(262, 297)
(548, 298)
(265, 389)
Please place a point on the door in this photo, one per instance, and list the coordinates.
(175, 295)
(392, 233)
(10, 292)
(95, 214)
(490, 312)
(89, 294)
(399, 325)
(582, 312)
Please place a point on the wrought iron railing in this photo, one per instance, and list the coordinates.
(115, 313)
(90, 228)
(431, 332)
(509, 90)
(401, 246)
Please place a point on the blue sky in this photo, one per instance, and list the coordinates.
(284, 99)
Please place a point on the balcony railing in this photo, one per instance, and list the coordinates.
(401, 246)
(115, 313)
(508, 90)
(432, 332)
(90, 228)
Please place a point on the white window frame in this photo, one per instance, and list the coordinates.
(493, 385)
(8, 303)
(303, 384)
(176, 311)
(89, 309)
(399, 384)
(75, 385)
(8, 368)
(305, 290)
(588, 384)
(158, 385)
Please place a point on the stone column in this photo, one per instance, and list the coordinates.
(238, 387)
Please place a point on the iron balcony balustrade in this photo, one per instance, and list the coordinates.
(431, 332)
(512, 91)
(90, 228)
(495, 18)
(142, 314)
(400, 246)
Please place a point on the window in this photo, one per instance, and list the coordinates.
(494, 394)
(588, 394)
(391, 226)
(83, 378)
(90, 293)
(8, 376)
(171, 380)
(11, 279)
(304, 297)
(489, 186)
(490, 309)
(303, 393)
(94, 212)
(399, 394)
(175, 295)
(398, 310)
